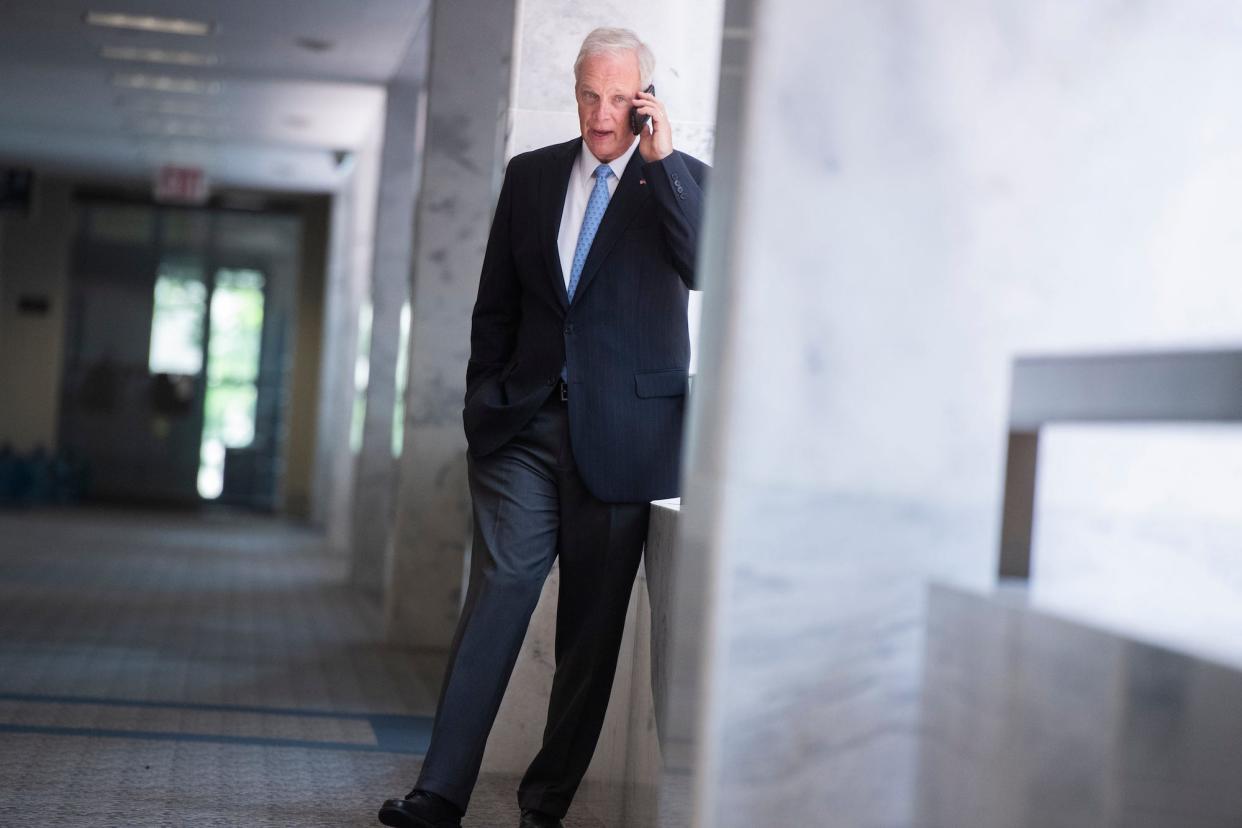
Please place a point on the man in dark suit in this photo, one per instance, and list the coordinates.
(575, 393)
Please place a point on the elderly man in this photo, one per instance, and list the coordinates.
(575, 393)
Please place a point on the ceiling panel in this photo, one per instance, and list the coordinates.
(277, 106)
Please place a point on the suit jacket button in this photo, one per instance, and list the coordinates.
(551, 381)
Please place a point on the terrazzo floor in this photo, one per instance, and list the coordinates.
(211, 669)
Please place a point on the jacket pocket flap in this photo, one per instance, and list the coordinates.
(670, 382)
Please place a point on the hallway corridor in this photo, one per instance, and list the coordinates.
(214, 670)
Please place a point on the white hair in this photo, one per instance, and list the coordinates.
(605, 41)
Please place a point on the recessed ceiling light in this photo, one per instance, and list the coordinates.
(314, 44)
(150, 23)
(178, 127)
(171, 106)
(168, 83)
(159, 56)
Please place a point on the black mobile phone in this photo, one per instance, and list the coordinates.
(638, 122)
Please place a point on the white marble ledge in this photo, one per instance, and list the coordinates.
(1112, 730)
(622, 783)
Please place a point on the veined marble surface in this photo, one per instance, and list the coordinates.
(905, 197)
(1030, 720)
(351, 235)
(469, 72)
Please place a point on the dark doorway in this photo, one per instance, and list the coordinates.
(174, 380)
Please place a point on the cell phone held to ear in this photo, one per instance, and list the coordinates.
(639, 122)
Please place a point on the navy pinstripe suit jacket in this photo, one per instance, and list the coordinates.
(623, 339)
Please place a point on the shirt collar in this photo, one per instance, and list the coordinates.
(587, 162)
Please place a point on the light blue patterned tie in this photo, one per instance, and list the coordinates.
(590, 224)
(596, 206)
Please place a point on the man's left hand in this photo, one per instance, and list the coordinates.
(656, 142)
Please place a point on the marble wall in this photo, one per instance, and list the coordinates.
(905, 197)
(684, 35)
(468, 79)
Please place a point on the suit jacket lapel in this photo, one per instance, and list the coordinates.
(553, 184)
(622, 209)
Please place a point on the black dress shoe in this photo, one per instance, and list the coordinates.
(420, 809)
(538, 819)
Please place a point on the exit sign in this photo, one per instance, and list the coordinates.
(180, 185)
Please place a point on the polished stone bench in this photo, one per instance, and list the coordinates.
(1032, 717)
(1029, 718)
(1178, 387)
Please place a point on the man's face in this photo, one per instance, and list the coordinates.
(606, 88)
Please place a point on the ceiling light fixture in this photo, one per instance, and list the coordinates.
(181, 128)
(150, 23)
(170, 106)
(165, 56)
(315, 44)
(167, 83)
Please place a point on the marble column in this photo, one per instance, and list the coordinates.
(350, 245)
(905, 197)
(803, 589)
(375, 476)
(468, 91)
(333, 465)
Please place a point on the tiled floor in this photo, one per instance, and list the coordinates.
(212, 670)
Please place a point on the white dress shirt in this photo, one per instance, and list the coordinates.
(581, 182)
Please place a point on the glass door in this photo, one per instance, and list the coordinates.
(234, 351)
(177, 352)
